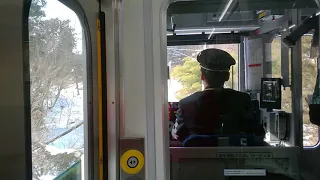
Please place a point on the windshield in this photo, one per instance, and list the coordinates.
(275, 49)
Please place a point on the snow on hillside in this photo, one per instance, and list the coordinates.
(67, 112)
(68, 109)
(54, 150)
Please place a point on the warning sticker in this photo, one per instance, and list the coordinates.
(262, 14)
(245, 172)
(245, 155)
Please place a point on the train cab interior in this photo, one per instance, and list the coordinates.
(91, 90)
(271, 42)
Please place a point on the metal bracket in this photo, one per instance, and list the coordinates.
(285, 57)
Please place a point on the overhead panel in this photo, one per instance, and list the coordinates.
(218, 30)
(208, 6)
(177, 40)
(196, 17)
(204, 22)
(189, 20)
(271, 25)
(233, 16)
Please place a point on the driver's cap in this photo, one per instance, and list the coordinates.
(215, 60)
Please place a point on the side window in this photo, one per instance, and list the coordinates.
(309, 78)
(276, 57)
(58, 90)
(276, 73)
(309, 75)
(185, 70)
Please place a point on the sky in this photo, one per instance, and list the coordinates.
(55, 9)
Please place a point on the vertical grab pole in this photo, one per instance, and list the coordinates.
(102, 99)
(104, 93)
(241, 67)
(296, 85)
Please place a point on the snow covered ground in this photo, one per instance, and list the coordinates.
(68, 111)
(69, 108)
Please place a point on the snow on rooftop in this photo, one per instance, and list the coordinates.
(54, 150)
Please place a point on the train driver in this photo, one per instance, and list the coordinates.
(200, 112)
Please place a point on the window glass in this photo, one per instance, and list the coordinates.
(276, 57)
(185, 70)
(255, 22)
(58, 88)
(219, 21)
(309, 77)
(276, 73)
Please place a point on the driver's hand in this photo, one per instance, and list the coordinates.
(174, 131)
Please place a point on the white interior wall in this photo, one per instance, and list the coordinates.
(112, 89)
(133, 69)
(134, 76)
(254, 56)
(160, 88)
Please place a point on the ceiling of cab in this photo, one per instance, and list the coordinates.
(225, 16)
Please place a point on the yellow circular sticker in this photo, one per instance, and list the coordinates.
(132, 162)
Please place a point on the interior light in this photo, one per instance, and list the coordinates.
(189, 33)
(318, 13)
(211, 33)
(188, 30)
(292, 26)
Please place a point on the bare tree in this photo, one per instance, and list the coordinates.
(54, 67)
